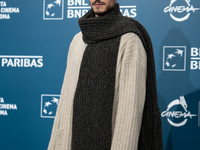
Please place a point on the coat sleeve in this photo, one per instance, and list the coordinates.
(65, 85)
(131, 94)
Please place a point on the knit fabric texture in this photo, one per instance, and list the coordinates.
(94, 95)
(92, 109)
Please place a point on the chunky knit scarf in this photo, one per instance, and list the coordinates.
(93, 101)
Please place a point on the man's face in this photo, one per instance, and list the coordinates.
(101, 7)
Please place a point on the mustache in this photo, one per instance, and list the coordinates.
(97, 2)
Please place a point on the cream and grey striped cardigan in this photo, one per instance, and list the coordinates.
(129, 97)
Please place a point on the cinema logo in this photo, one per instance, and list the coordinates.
(78, 8)
(21, 61)
(180, 11)
(5, 11)
(183, 115)
(5, 107)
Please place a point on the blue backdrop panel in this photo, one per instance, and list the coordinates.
(34, 42)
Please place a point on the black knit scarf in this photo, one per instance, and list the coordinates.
(93, 101)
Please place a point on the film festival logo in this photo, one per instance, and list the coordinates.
(180, 10)
(49, 105)
(5, 11)
(53, 9)
(5, 107)
(174, 58)
(183, 115)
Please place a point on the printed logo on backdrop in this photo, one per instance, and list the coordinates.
(174, 58)
(181, 117)
(195, 58)
(78, 8)
(53, 9)
(21, 61)
(180, 10)
(49, 105)
(5, 10)
(5, 107)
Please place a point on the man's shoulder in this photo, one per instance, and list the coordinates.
(130, 37)
(78, 36)
(77, 39)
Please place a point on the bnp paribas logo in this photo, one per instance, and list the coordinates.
(53, 9)
(49, 103)
(174, 58)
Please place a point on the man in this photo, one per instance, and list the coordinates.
(108, 99)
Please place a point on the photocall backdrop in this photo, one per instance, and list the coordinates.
(34, 42)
